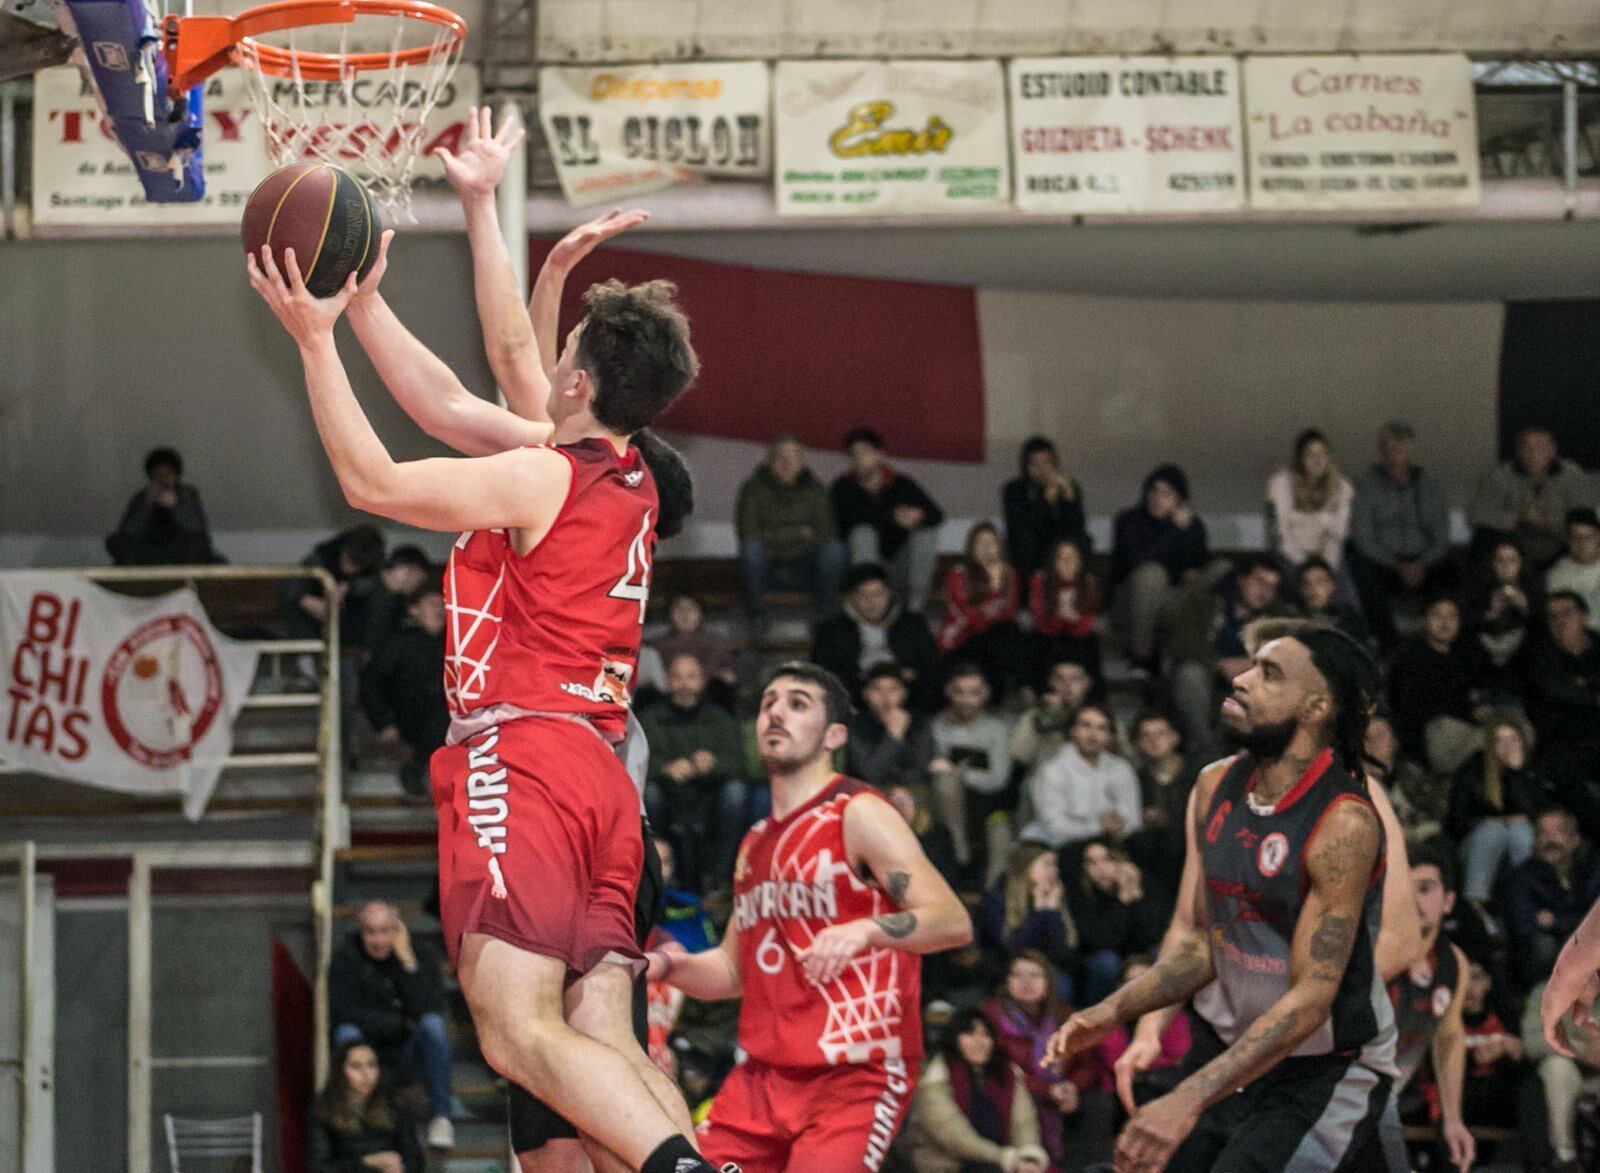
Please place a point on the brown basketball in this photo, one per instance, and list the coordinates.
(324, 214)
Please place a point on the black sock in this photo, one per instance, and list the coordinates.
(676, 1155)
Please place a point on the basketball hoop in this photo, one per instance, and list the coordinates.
(308, 99)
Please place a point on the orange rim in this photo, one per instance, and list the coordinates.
(197, 46)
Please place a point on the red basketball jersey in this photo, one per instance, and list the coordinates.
(557, 630)
(791, 881)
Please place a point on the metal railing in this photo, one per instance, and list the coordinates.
(331, 823)
(28, 1069)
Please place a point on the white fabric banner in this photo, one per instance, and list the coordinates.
(1362, 133)
(1127, 134)
(122, 693)
(626, 130)
(872, 138)
(82, 176)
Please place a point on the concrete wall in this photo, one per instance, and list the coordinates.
(110, 347)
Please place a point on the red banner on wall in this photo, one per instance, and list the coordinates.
(816, 355)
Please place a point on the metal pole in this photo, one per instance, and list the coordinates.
(8, 160)
(511, 205)
(139, 1016)
(331, 833)
(27, 911)
(1569, 145)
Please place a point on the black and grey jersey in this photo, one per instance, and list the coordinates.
(1421, 997)
(1255, 883)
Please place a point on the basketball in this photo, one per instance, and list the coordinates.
(324, 214)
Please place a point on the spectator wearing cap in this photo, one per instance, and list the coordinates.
(1578, 570)
(1043, 506)
(873, 628)
(164, 523)
(786, 534)
(1529, 498)
(887, 518)
(1154, 544)
(1399, 531)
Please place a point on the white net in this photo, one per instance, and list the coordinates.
(371, 122)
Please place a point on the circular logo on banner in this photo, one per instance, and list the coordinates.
(1441, 1001)
(1274, 850)
(162, 690)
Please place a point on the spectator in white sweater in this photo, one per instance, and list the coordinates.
(1578, 570)
(1084, 789)
(1308, 505)
(971, 774)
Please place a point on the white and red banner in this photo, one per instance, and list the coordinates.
(123, 693)
(83, 177)
(1127, 134)
(1362, 133)
(622, 131)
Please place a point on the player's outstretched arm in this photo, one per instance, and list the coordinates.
(1450, 1070)
(1181, 968)
(422, 384)
(544, 303)
(1400, 932)
(711, 975)
(929, 917)
(522, 489)
(1573, 986)
(1340, 861)
(509, 341)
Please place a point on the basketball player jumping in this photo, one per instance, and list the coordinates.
(833, 902)
(1279, 904)
(544, 1141)
(540, 842)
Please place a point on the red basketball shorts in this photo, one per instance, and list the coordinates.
(823, 1120)
(539, 842)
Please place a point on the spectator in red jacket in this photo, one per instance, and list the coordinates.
(1064, 601)
(980, 616)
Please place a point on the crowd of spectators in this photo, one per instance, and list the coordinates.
(1039, 710)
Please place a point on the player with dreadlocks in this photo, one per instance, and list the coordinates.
(1275, 931)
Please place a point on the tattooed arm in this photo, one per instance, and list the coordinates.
(1182, 967)
(928, 916)
(1339, 862)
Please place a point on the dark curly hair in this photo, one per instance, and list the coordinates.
(635, 346)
